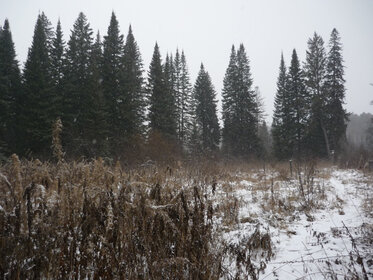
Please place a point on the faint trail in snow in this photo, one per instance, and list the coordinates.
(335, 249)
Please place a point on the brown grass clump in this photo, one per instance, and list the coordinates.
(90, 220)
(251, 254)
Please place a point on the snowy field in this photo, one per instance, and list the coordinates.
(321, 231)
(206, 221)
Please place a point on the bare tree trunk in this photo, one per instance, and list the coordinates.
(325, 138)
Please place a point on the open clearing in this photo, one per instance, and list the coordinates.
(89, 220)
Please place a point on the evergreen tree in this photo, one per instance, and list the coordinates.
(133, 88)
(96, 124)
(37, 104)
(240, 108)
(335, 90)
(10, 87)
(229, 99)
(207, 125)
(297, 103)
(168, 77)
(112, 82)
(77, 86)
(280, 115)
(176, 75)
(182, 91)
(184, 107)
(162, 104)
(248, 108)
(315, 71)
(57, 63)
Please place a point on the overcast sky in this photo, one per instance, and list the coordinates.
(206, 30)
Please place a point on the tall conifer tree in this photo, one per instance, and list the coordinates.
(315, 71)
(112, 81)
(57, 58)
(176, 74)
(297, 108)
(280, 115)
(96, 124)
(77, 86)
(133, 87)
(207, 129)
(10, 89)
(185, 106)
(229, 96)
(335, 90)
(37, 105)
(161, 101)
(240, 108)
(248, 108)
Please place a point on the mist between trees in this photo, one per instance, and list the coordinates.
(96, 91)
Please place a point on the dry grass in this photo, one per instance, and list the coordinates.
(90, 220)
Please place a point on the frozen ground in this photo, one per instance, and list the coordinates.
(325, 233)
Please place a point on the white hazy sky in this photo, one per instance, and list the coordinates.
(206, 30)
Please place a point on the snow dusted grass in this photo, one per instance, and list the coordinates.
(86, 220)
(319, 221)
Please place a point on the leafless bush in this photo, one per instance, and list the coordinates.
(310, 190)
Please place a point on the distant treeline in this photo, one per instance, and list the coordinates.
(359, 130)
(98, 89)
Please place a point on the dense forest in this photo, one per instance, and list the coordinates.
(94, 94)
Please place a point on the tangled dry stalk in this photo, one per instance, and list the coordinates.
(90, 220)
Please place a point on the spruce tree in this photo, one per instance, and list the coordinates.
(37, 104)
(182, 91)
(281, 115)
(335, 91)
(315, 72)
(10, 89)
(57, 59)
(161, 101)
(297, 103)
(207, 125)
(240, 108)
(168, 77)
(96, 124)
(77, 85)
(133, 88)
(176, 74)
(185, 102)
(112, 81)
(248, 108)
(228, 106)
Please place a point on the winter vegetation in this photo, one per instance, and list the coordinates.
(207, 220)
(109, 171)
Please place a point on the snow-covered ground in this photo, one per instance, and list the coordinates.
(325, 234)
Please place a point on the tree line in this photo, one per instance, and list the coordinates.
(97, 87)
(309, 118)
